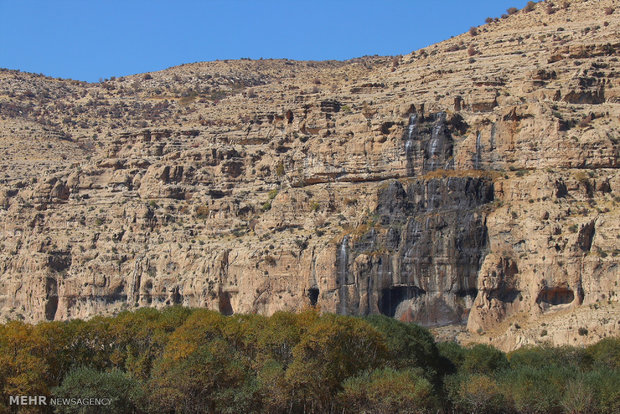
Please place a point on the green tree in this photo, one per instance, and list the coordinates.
(388, 391)
(212, 378)
(125, 394)
(22, 370)
(484, 359)
(452, 356)
(333, 349)
(409, 345)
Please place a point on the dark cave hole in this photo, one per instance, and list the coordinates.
(556, 296)
(224, 304)
(391, 297)
(313, 295)
(50, 308)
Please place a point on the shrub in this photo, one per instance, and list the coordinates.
(609, 10)
(547, 356)
(452, 356)
(388, 391)
(332, 350)
(473, 31)
(484, 359)
(202, 212)
(535, 390)
(125, 394)
(578, 397)
(409, 345)
(489, 20)
(605, 353)
(476, 394)
(280, 169)
(529, 6)
(512, 10)
(471, 50)
(604, 384)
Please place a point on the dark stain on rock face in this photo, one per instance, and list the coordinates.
(59, 261)
(425, 250)
(585, 237)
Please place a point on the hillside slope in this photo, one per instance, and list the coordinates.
(473, 182)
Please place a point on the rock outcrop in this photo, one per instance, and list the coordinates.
(443, 187)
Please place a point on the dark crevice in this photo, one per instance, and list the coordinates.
(51, 293)
(313, 295)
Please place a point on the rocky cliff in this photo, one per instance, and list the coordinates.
(473, 183)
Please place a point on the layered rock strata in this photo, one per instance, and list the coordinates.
(474, 182)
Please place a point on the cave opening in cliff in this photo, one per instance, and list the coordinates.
(51, 306)
(391, 297)
(313, 295)
(224, 305)
(555, 296)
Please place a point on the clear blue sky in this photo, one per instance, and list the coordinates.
(92, 39)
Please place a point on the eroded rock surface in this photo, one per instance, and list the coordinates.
(441, 187)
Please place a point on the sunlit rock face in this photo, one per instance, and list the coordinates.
(435, 187)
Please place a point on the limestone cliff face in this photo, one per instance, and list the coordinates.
(473, 183)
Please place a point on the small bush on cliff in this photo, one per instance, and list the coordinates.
(529, 6)
(280, 169)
